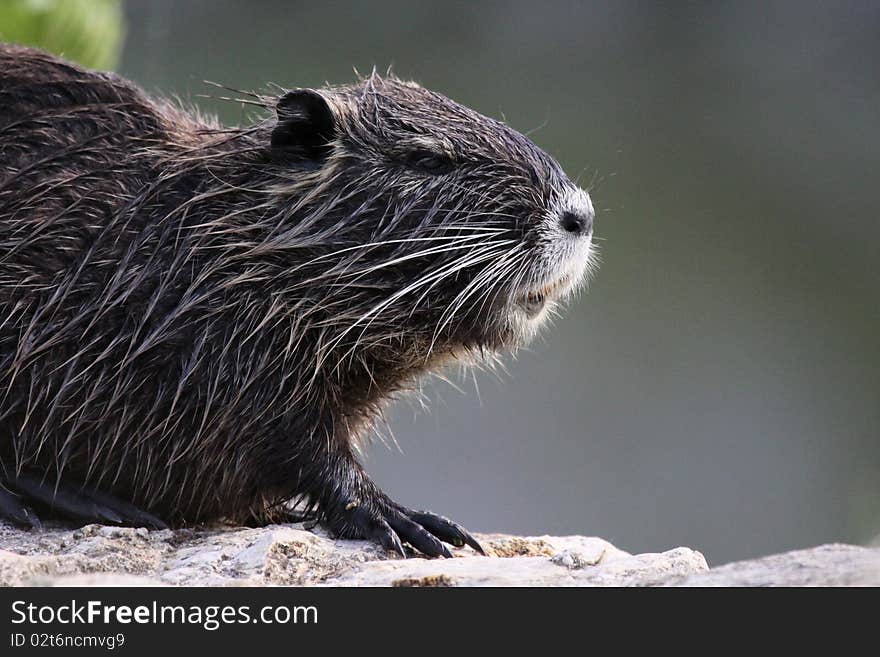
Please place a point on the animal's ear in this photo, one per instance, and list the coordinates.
(305, 127)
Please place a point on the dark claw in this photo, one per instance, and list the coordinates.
(418, 536)
(385, 536)
(380, 519)
(445, 529)
(12, 508)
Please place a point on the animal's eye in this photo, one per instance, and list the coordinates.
(430, 162)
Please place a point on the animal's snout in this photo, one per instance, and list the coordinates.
(576, 222)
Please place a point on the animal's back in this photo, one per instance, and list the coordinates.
(85, 269)
(72, 145)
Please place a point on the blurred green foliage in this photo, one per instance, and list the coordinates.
(87, 31)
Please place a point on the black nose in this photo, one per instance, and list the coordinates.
(577, 223)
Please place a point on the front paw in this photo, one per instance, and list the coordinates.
(390, 524)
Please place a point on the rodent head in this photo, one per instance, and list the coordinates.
(441, 225)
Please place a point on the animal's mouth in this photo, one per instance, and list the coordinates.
(533, 301)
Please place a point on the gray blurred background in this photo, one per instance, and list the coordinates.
(718, 386)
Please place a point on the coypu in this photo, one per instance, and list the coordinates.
(199, 323)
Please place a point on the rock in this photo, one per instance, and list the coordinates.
(291, 555)
(826, 565)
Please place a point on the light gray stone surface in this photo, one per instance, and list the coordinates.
(826, 565)
(289, 554)
(292, 555)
